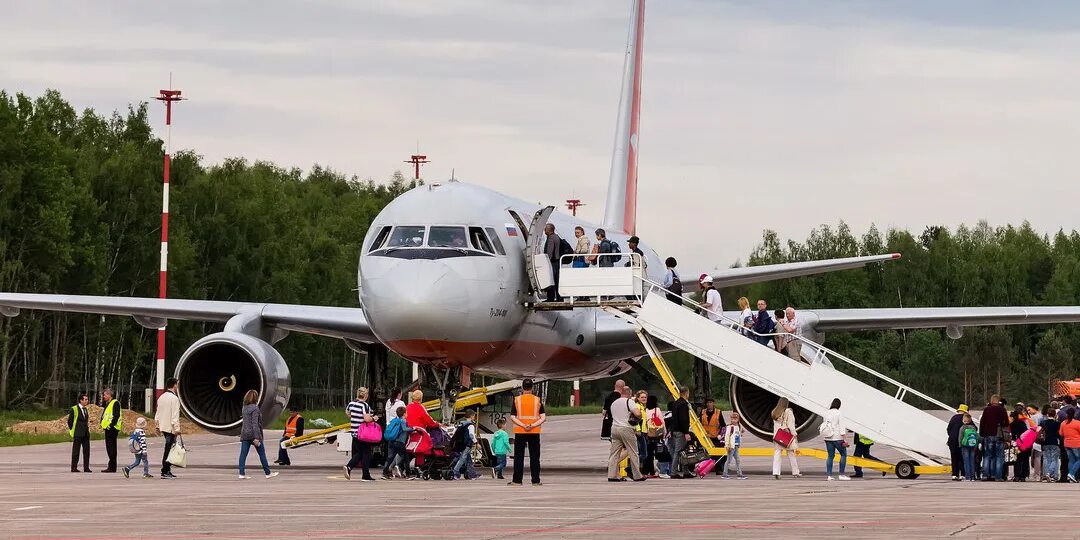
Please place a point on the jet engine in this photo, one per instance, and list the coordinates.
(216, 372)
(755, 406)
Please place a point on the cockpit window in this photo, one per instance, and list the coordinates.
(495, 240)
(407, 236)
(380, 239)
(479, 240)
(453, 237)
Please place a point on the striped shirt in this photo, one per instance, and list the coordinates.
(140, 440)
(356, 411)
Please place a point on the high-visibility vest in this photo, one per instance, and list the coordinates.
(74, 420)
(290, 426)
(711, 425)
(643, 426)
(866, 440)
(528, 412)
(106, 416)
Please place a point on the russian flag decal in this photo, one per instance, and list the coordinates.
(511, 230)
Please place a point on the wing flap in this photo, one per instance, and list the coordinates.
(732, 277)
(912, 318)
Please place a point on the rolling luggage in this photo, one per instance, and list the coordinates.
(705, 467)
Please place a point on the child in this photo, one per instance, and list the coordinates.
(969, 441)
(137, 445)
(733, 441)
(464, 462)
(500, 446)
(397, 432)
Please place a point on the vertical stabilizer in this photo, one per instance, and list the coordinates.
(620, 214)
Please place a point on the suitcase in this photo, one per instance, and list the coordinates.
(705, 467)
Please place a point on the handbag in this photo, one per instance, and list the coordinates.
(178, 454)
(690, 458)
(369, 432)
(783, 437)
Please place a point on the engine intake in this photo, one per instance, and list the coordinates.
(755, 404)
(216, 372)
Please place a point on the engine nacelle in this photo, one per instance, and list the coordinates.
(216, 372)
(755, 406)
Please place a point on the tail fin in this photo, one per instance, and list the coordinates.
(620, 214)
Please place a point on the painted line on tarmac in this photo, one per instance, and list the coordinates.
(20, 509)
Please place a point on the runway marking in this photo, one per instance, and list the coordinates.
(25, 508)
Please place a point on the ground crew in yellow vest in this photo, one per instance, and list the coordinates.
(78, 422)
(862, 450)
(527, 416)
(294, 427)
(111, 422)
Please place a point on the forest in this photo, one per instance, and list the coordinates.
(80, 200)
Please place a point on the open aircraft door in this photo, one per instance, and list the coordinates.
(536, 262)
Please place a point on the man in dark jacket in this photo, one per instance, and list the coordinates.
(551, 249)
(995, 419)
(680, 432)
(111, 422)
(78, 422)
(953, 431)
(763, 324)
(605, 428)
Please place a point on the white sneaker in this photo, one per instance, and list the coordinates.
(242, 477)
(829, 478)
(273, 474)
(843, 477)
(665, 476)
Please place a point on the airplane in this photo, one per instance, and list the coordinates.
(443, 280)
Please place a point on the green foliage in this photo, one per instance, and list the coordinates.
(10, 417)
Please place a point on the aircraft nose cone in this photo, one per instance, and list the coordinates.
(420, 300)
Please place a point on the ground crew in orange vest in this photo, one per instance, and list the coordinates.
(712, 419)
(294, 427)
(527, 416)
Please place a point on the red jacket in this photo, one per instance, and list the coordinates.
(417, 416)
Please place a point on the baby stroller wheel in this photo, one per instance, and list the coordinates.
(425, 476)
(448, 475)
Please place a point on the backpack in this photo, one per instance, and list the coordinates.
(457, 442)
(393, 430)
(565, 248)
(969, 436)
(133, 443)
(615, 249)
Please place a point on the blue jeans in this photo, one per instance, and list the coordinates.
(464, 464)
(993, 458)
(260, 448)
(395, 453)
(833, 447)
(500, 464)
(1051, 461)
(969, 461)
(733, 455)
(145, 463)
(1074, 461)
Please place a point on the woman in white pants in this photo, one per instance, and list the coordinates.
(784, 418)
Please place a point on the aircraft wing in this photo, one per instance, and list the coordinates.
(825, 320)
(152, 312)
(732, 277)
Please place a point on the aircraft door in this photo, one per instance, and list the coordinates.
(536, 262)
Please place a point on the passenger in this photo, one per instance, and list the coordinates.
(641, 430)
(1019, 426)
(835, 433)
(732, 442)
(662, 452)
(463, 465)
(78, 423)
(605, 428)
(654, 434)
(763, 324)
(672, 284)
(992, 424)
(793, 327)
(711, 300)
(582, 248)
(527, 416)
(397, 432)
(680, 432)
(1051, 445)
(1067, 403)
(862, 450)
(392, 404)
(1070, 433)
(359, 412)
(632, 244)
(624, 419)
(1035, 419)
(778, 339)
(251, 434)
(969, 443)
(500, 447)
(551, 249)
(167, 419)
(294, 427)
(416, 416)
(746, 317)
(137, 444)
(112, 419)
(784, 418)
(605, 246)
(953, 441)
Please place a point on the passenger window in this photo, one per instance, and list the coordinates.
(447, 237)
(380, 239)
(407, 236)
(495, 240)
(479, 240)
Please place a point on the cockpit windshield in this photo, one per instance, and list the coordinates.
(453, 237)
(407, 236)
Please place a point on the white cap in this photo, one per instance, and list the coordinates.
(707, 279)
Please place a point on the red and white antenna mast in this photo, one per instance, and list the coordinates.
(168, 97)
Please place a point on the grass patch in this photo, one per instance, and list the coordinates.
(10, 417)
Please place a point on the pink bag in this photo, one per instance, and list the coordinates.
(705, 467)
(783, 437)
(369, 432)
(1026, 441)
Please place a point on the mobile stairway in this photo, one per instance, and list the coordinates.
(884, 417)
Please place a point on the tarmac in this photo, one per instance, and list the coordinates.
(42, 499)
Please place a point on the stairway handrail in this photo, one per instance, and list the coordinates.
(659, 288)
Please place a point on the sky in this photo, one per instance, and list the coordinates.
(783, 115)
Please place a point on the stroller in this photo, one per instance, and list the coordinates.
(432, 452)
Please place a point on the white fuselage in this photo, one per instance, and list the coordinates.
(435, 293)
